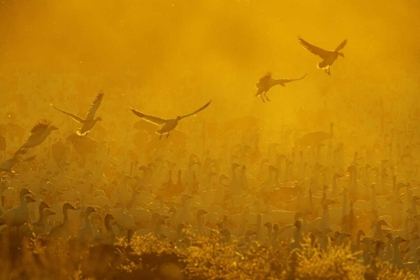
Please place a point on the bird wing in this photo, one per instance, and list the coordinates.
(314, 49)
(74, 117)
(283, 81)
(195, 112)
(40, 126)
(95, 106)
(152, 119)
(341, 46)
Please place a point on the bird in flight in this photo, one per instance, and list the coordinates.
(38, 134)
(167, 125)
(328, 57)
(266, 82)
(89, 122)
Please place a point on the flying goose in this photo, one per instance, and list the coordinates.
(89, 122)
(266, 82)
(328, 57)
(167, 125)
(38, 135)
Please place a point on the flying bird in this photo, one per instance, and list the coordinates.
(38, 135)
(89, 122)
(167, 125)
(328, 57)
(266, 82)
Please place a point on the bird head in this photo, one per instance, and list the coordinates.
(98, 119)
(53, 127)
(341, 54)
(178, 118)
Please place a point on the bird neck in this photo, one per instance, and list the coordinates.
(87, 221)
(22, 201)
(66, 216)
(41, 215)
(108, 227)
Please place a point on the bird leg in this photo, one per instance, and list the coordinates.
(265, 94)
(160, 137)
(328, 70)
(167, 135)
(262, 98)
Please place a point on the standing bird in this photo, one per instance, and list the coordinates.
(328, 57)
(166, 125)
(19, 215)
(89, 122)
(266, 82)
(38, 135)
(314, 138)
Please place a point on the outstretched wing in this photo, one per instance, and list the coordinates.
(95, 106)
(314, 49)
(283, 81)
(40, 126)
(152, 119)
(195, 112)
(341, 46)
(76, 118)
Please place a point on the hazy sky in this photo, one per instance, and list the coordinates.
(219, 49)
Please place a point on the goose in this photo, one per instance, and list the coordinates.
(107, 237)
(17, 216)
(89, 122)
(86, 232)
(328, 57)
(167, 125)
(36, 226)
(3, 143)
(201, 229)
(63, 230)
(396, 259)
(297, 239)
(414, 264)
(313, 138)
(38, 135)
(269, 227)
(357, 246)
(266, 82)
(41, 227)
(10, 163)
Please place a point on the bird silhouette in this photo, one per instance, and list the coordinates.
(167, 125)
(266, 82)
(38, 135)
(89, 122)
(328, 56)
(10, 163)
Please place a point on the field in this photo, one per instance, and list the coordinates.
(288, 172)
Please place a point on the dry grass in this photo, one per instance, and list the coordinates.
(147, 257)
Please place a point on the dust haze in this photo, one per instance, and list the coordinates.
(177, 52)
(169, 58)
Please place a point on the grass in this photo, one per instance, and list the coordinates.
(147, 257)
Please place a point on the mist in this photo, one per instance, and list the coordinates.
(166, 58)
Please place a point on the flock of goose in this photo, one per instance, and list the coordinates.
(328, 58)
(249, 196)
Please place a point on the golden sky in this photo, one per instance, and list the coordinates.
(191, 51)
